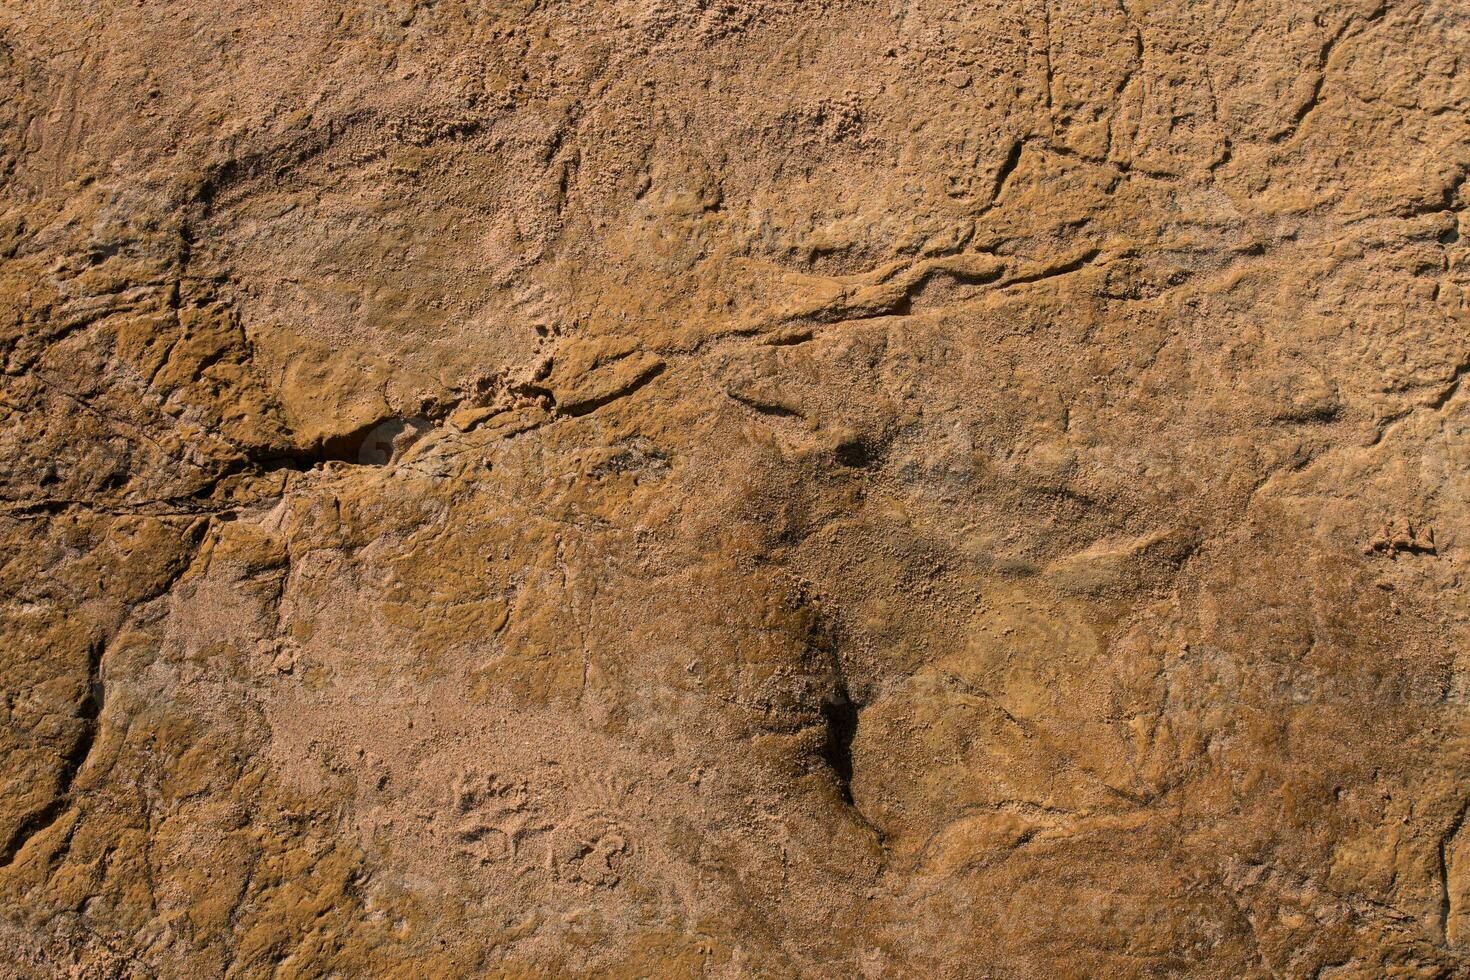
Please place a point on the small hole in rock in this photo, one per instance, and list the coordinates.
(854, 452)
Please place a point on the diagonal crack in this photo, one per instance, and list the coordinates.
(89, 711)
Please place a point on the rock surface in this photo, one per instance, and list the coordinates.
(672, 488)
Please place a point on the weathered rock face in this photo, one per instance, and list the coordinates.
(665, 488)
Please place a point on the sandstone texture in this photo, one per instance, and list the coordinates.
(735, 488)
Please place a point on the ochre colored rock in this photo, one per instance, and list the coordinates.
(655, 488)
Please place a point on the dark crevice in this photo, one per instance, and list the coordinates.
(1314, 98)
(89, 713)
(586, 406)
(1123, 167)
(957, 277)
(1445, 202)
(1321, 414)
(31, 826)
(844, 313)
(275, 160)
(374, 443)
(841, 714)
(1324, 55)
(841, 717)
(1081, 262)
(89, 710)
(1007, 167)
(1448, 391)
(378, 442)
(1446, 900)
(765, 408)
(855, 453)
(789, 339)
(180, 506)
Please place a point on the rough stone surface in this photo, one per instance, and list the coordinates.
(669, 488)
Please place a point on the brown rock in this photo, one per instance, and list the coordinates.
(722, 489)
